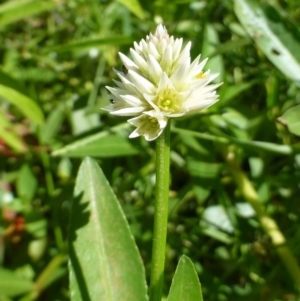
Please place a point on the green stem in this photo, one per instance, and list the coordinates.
(161, 214)
(268, 224)
(47, 276)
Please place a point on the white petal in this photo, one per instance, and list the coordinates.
(154, 69)
(210, 88)
(144, 47)
(202, 105)
(129, 85)
(116, 91)
(119, 84)
(184, 56)
(149, 124)
(109, 108)
(159, 116)
(131, 111)
(137, 47)
(211, 77)
(116, 106)
(150, 99)
(201, 65)
(175, 115)
(202, 85)
(165, 82)
(178, 77)
(129, 64)
(134, 134)
(183, 76)
(161, 46)
(161, 32)
(197, 96)
(177, 48)
(192, 70)
(133, 100)
(141, 83)
(139, 60)
(153, 51)
(166, 62)
(198, 102)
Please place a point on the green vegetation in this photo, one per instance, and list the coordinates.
(235, 167)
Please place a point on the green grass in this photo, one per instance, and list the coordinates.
(55, 61)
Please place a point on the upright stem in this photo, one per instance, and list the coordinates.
(268, 224)
(161, 214)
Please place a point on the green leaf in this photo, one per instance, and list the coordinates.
(210, 44)
(4, 298)
(276, 35)
(26, 183)
(7, 80)
(135, 7)
(86, 44)
(51, 272)
(52, 125)
(9, 135)
(291, 118)
(104, 260)
(229, 45)
(82, 121)
(216, 216)
(25, 104)
(217, 235)
(202, 169)
(265, 146)
(13, 11)
(194, 144)
(101, 145)
(231, 92)
(185, 284)
(246, 144)
(11, 285)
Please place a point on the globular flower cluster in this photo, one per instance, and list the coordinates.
(160, 82)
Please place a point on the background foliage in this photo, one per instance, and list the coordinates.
(56, 58)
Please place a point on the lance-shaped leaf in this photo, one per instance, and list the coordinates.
(15, 10)
(25, 104)
(52, 125)
(185, 284)
(274, 33)
(104, 147)
(104, 261)
(135, 7)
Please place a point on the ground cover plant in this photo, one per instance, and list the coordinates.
(233, 207)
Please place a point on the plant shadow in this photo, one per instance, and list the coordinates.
(80, 216)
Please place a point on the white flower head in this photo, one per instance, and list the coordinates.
(160, 82)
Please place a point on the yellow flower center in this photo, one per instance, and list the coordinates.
(201, 75)
(154, 122)
(169, 101)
